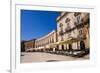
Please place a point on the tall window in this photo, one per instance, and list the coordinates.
(80, 32)
(67, 20)
(69, 35)
(62, 38)
(52, 40)
(78, 18)
(61, 25)
(67, 24)
(61, 29)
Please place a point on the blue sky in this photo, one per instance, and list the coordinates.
(35, 24)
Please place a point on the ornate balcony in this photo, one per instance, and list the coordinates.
(83, 21)
(82, 36)
(67, 29)
(80, 25)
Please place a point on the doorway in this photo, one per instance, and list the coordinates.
(82, 45)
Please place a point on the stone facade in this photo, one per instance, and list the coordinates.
(29, 45)
(46, 41)
(73, 30)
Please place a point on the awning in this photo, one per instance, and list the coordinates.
(69, 41)
(54, 45)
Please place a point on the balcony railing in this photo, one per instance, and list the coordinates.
(79, 25)
(82, 36)
(68, 29)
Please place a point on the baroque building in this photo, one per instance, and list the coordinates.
(45, 43)
(73, 30)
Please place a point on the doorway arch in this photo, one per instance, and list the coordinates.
(82, 45)
(70, 47)
(62, 47)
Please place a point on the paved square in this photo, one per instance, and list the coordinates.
(46, 57)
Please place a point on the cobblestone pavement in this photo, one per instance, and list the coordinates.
(46, 57)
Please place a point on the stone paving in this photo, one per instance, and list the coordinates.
(29, 57)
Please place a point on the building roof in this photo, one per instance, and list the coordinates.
(61, 16)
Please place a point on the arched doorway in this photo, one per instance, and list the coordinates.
(70, 47)
(62, 47)
(82, 45)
